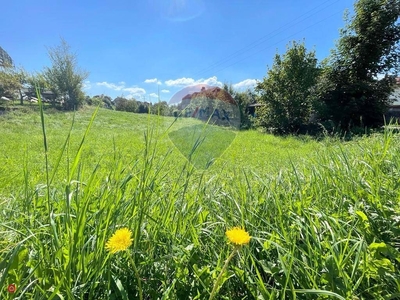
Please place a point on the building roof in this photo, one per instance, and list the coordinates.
(188, 96)
(255, 105)
(216, 93)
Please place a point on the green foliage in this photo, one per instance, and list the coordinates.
(243, 99)
(160, 108)
(64, 77)
(350, 91)
(37, 81)
(132, 105)
(11, 81)
(122, 104)
(323, 216)
(100, 100)
(287, 91)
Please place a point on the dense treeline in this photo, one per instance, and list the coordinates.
(351, 88)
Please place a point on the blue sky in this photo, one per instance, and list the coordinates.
(135, 48)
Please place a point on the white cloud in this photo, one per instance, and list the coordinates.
(112, 86)
(165, 91)
(153, 80)
(182, 82)
(247, 83)
(210, 81)
(87, 85)
(133, 91)
(153, 95)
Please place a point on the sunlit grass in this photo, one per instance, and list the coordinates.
(323, 216)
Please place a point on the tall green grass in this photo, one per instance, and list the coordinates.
(324, 216)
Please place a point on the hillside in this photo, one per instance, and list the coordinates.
(118, 212)
(121, 133)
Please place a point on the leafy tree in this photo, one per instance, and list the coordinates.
(243, 100)
(123, 104)
(160, 108)
(107, 102)
(11, 81)
(350, 91)
(143, 107)
(287, 90)
(100, 100)
(64, 77)
(34, 81)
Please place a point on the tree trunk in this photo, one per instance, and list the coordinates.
(20, 97)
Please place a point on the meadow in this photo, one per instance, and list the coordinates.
(323, 215)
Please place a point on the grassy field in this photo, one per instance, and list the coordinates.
(323, 216)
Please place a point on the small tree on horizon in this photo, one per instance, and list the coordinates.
(64, 76)
(12, 80)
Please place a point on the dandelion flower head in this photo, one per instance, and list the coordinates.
(238, 236)
(120, 240)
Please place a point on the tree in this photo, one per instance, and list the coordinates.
(64, 77)
(11, 81)
(100, 100)
(143, 107)
(35, 81)
(352, 91)
(14, 79)
(160, 108)
(123, 104)
(287, 90)
(243, 99)
(107, 102)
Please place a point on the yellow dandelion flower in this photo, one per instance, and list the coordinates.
(238, 236)
(121, 240)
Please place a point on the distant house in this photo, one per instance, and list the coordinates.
(394, 109)
(46, 95)
(396, 93)
(185, 101)
(215, 93)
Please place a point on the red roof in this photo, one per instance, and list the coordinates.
(213, 93)
(188, 96)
